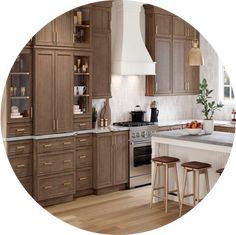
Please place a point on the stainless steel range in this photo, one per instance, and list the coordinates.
(140, 151)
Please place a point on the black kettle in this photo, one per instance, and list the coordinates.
(154, 115)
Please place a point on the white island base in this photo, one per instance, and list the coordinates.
(213, 149)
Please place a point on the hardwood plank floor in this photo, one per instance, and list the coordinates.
(123, 212)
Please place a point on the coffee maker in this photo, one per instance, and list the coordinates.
(154, 112)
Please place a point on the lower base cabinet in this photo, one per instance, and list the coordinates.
(20, 154)
(54, 170)
(110, 153)
(84, 165)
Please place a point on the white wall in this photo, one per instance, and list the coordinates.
(128, 91)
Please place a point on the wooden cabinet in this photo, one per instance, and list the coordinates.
(17, 98)
(54, 170)
(20, 154)
(225, 129)
(168, 40)
(110, 153)
(58, 32)
(83, 74)
(101, 46)
(84, 165)
(53, 97)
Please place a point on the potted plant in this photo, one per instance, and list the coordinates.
(209, 106)
(94, 116)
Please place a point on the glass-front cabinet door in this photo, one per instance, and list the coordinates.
(19, 89)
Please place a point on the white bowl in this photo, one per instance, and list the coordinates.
(193, 131)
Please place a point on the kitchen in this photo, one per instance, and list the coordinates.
(123, 89)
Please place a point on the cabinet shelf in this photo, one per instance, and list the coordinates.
(20, 73)
(82, 25)
(19, 97)
(85, 95)
(81, 74)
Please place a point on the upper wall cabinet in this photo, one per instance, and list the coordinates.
(58, 32)
(168, 40)
(82, 27)
(101, 46)
(17, 100)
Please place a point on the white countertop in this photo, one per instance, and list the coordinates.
(217, 141)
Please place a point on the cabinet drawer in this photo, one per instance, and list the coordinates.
(54, 163)
(22, 165)
(84, 179)
(27, 184)
(79, 126)
(49, 145)
(19, 147)
(84, 140)
(56, 186)
(84, 157)
(19, 130)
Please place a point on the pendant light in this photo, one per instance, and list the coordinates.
(195, 57)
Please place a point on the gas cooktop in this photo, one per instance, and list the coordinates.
(132, 124)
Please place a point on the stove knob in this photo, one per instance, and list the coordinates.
(133, 135)
(143, 134)
(137, 134)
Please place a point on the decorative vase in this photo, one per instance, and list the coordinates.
(208, 126)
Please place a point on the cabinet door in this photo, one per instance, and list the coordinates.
(103, 161)
(64, 29)
(120, 156)
(179, 28)
(163, 24)
(101, 19)
(163, 66)
(101, 65)
(46, 35)
(44, 92)
(178, 66)
(191, 72)
(64, 90)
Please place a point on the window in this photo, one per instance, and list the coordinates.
(226, 88)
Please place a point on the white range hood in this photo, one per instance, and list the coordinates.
(129, 54)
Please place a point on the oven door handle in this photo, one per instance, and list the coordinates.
(140, 143)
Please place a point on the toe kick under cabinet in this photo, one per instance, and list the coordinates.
(54, 170)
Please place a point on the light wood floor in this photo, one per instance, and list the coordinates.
(123, 212)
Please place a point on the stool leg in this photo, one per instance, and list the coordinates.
(153, 183)
(177, 182)
(183, 191)
(207, 181)
(197, 186)
(194, 188)
(166, 186)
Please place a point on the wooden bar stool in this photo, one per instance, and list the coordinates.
(167, 163)
(197, 168)
(220, 171)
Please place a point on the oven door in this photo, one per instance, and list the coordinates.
(140, 159)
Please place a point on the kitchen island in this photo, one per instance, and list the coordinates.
(213, 149)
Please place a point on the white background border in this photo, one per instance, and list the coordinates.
(20, 20)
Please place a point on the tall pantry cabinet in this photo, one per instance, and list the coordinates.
(53, 97)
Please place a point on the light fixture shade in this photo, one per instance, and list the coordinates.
(195, 57)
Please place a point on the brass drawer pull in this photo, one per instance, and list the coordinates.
(82, 140)
(47, 145)
(20, 166)
(48, 187)
(47, 163)
(82, 124)
(20, 129)
(82, 178)
(66, 183)
(67, 143)
(82, 156)
(67, 160)
(20, 147)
